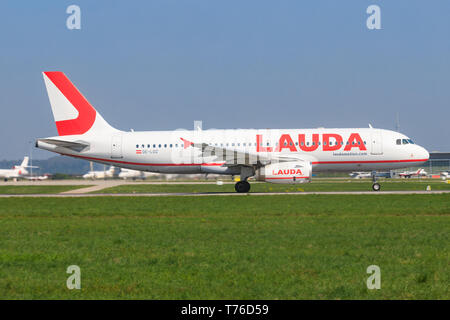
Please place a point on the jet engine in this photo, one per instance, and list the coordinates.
(286, 172)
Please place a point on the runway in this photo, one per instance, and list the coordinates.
(209, 194)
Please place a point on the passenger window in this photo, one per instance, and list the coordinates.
(159, 146)
(171, 146)
(137, 146)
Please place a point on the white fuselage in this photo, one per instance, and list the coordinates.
(99, 174)
(362, 149)
(12, 173)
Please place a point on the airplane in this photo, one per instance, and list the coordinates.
(16, 171)
(445, 175)
(133, 174)
(100, 174)
(360, 174)
(287, 156)
(408, 174)
(36, 178)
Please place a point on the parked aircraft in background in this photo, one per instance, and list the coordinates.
(16, 171)
(133, 174)
(445, 175)
(361, 175)
(418, 173)
(273, 155)
(36, 178)
(100, 174)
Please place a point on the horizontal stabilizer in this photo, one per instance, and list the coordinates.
(76, 146)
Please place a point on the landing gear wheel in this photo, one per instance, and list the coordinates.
(242, 187)
(376, 186)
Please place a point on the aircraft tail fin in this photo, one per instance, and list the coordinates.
(24, 162)
(73, 113)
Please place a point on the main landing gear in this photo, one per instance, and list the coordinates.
(375, 186)
(242, 186)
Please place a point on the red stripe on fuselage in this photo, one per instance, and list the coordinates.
(220, 164)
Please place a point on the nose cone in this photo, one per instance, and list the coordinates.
(423, 154)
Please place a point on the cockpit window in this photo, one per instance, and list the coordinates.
(399, 141)
(410, 141)
(405, 141)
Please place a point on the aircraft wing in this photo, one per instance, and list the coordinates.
(232, 157)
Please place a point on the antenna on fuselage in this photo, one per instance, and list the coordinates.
(198, 125)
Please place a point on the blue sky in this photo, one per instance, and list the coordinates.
(160, 65)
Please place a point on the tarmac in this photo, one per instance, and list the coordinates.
(97, 185)
(84, 195)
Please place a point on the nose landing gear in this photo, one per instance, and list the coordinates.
(375, 185)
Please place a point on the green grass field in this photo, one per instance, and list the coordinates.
(250, 247)
(39, 189)
(315, 186)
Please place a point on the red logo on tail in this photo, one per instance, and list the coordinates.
(86, 113)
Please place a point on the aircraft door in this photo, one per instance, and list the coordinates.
(116, 146)
(376, 142)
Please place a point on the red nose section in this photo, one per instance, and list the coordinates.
(86, 113)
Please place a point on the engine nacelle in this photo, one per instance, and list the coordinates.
(286, 172)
